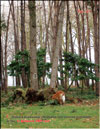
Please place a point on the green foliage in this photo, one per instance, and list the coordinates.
(2, 25)
(78, 68)
(61, 88)
(89, 94)
(16, 66)
(40, 103)
(89, 3)
(42, 66)
(6, 103)
(52, 102)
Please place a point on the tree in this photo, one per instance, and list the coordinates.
(15, 38)
(16, 66)
(83, 30)
(23, 42)
(55, 27)
(83, 67)
(67, 41)
(57, 46)
(2, 28)
(88, 43)
(96, 41)
(99, 46)
(78, 27)
(0, 63)
(33, 59)
(5, 61)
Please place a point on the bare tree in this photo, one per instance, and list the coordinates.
(78, 27)
(6, 40)
(23, 43)
(15, 35)
(96, 43)
(55, 27)
(98, 89)
(67, 41)
(70, 30)
(83, 30)
(57, 47)
(46, 37)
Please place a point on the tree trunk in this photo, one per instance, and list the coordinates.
(57, 47)
(55, 28)
(15, 38)
(67, 44)
(88, 40)
(46, 38)
(61, 68)
(96, 43)
(88, 35)
(78, 27)
(23, 44)
(98, 88)
(1, 67)
(17, 45)
(70, 29)
(97, 46)
(6, 40)
(83, 32)
(33, 59)
(0, 64)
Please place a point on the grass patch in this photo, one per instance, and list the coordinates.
(88, 94)
(67, 116)
(51, 116)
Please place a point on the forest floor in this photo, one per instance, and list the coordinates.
(71, 115)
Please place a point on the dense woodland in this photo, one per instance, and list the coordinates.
(51, 50)
(50, 43)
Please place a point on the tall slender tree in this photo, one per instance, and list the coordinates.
(23, 42)
(15, 36)
(57, 47)
(5, 64)
(0, 56)
(33, 59)
(96, 43)
(55, 26)
(99, 52)
(67, 41)
(78, 27)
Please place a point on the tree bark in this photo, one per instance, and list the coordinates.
(0, 61)
(78, 27)
(57, 47)
(67, 43)
(88, 34)
(98, 88)
(17, 45)
(15, 38)
(61, 68)
(55, 28)
(1, 67)
(6, 40)
(83, 31)
(33, 58)
(96, 43)
(23, 43)
(88, 42)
